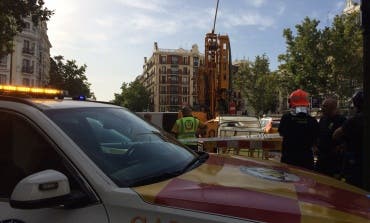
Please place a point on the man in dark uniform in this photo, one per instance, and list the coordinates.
(299, 131)
(328, 158)
(351, 133)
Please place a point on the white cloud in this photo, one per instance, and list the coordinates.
(154, 5)
(281, 9)
(249, 19)
(256, 3)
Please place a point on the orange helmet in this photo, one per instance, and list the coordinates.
(298, 98)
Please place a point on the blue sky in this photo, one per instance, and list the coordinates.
(113, 36)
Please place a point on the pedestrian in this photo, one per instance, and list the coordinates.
(351, 134)
(299, 131)
(328, 160)
(187, 127)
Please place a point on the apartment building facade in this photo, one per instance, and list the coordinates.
(170, 75)
(29, 64)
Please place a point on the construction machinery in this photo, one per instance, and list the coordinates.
(214, 81)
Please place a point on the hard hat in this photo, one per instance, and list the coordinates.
(298, 98)
(358, 99)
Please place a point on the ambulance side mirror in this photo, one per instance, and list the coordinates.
(45, 189)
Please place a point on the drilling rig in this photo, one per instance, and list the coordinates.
(214, 79)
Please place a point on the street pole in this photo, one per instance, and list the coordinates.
(365, 9)
(11, 69)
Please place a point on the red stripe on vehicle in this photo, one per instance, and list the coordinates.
(311, 191)
(229, 201)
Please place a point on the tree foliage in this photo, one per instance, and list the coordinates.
(323, 61)
(258, 84)
(69, 76)
(133, 96)
(12, 13)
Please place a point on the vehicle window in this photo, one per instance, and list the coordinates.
(129, 150)
(24, 151)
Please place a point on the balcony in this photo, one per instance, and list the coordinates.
(28, 70)
(30, 51)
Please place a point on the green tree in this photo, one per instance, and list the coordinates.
(12, 13)
(69, 76)
(343, 55)
(133, 96)
(327, 61)
(258, 84)
(302, 63)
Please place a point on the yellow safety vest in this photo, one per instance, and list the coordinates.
(187, 128)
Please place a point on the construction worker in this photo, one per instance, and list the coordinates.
(328, 158)
(299, 131)
(351, 134)
(187, 128)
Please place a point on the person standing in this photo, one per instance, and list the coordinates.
(328, 159)
(351, 134)
(299, 131)
(187, 127)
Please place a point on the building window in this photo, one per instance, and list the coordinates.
(163, 59)
(26, 44)
(174, 90)
(3, 79)
(163, 70)
(185, 90)
(27, 48)
(174, 100)
(26, 82)
(163, 90)
(175, 60)
(186, 60)
(163, 79)
(186, 71)
(4, 61)
(27, 26)
(185, 80)
(27, 67)
(185, 100)
(196, 62)
(174, 79)
(162, 100)
(174, 69)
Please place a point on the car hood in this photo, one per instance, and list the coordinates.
(260, 190)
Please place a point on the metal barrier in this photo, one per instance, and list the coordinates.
(261, 146)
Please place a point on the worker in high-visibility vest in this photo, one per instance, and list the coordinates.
(188, 127)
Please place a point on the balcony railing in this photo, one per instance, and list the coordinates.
(28, 70)
(28, 51)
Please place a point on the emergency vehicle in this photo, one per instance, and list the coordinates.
(79, 161)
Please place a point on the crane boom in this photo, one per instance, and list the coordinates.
(214, 21)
